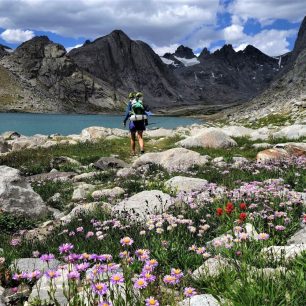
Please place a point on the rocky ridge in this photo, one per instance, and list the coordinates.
(287, 93)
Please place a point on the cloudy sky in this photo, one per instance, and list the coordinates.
(270, 25)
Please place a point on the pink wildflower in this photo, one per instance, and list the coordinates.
(189, 292)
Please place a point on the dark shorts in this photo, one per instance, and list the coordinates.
(136, 126)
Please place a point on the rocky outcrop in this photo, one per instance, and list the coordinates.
(41, 66)
(17, 195)
(271, 154)
(177, 159)
(286, 94)
(185, 184)
(286, 252)
(209, 138)
(108, 163)
(200, 300)
(140, 206)
(128, 65)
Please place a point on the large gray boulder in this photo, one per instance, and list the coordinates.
(299, 237)
(41, 290)
(185, 184)
(237, 131)
(209, 138)
(177, 159)
(106, 163)
(291, 132)
(287, 252)
(17, 195)
(97, 132)
(212, 267)
(31, 264)
(200, 300)
(140, 206)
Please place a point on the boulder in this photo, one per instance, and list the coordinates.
(237, 131)
(185, 184)
(107, 193)
(291, 132)
(158, 133)
(200, 300)
(31, 264)
(4, 146)
(33, 142)
(299, 237)
(62, 161)
(239, 161)
(84, 209)
(97, 132)
(286, 252)
(271, 155)
(85, 176)
(177, 159)
(41, 290)
(17, 195)
(81, 192)
(125, 172)
(209, 138)
(106, 163)
(141, 205)
(293, 148)
(52, 176)
(212, 267)
(261, 134)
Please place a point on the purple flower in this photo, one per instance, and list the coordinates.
(46, 257)
(99, 288)
(52, 274)
(65, 248)
(73, 275)
(105, 303)
(189, 292)
(151, 301)
(117, 279)
(140, 283)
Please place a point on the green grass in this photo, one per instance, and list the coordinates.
(48, 188)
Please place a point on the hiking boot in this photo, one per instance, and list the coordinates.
(142, 152)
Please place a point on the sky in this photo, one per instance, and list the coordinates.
(269, 25)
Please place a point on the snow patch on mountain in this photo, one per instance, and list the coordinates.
(167, 61)
(188, 62)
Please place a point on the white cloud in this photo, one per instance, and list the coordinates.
(233, 33)
(266, 11)
(271, 42)
(162, 22)
(16, 35)
(68, 49)
(165, 49)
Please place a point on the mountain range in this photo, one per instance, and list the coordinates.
(41, 76)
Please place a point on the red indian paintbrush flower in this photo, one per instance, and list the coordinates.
(219, 211)
(229, 208)
(243, 206)
(242, 216)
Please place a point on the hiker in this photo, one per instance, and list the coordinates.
(136, 114)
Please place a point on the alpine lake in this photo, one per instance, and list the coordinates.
(65, 124)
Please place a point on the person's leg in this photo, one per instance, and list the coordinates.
(133, 142)
(140, 141)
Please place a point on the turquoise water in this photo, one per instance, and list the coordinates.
(31, 124)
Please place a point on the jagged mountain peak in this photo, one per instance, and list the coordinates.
(204, 53)
(184, 52)
(225, 50)
(300, 42)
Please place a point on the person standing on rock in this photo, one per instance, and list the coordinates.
(136, 114)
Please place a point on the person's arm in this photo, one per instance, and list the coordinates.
(127, 113)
